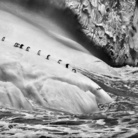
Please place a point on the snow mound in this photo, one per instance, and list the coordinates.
(31, 80)
(46, 83)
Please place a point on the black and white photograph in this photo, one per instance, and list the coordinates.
(68, 68)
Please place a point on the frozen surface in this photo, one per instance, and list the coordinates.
(45, 82)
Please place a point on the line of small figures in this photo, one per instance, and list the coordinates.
(39, 53)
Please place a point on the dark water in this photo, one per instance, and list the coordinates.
(118, 119)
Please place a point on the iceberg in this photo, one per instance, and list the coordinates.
(29, 80)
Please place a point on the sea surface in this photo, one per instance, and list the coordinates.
(117, 120)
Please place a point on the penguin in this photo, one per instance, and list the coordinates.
(21, 46)
(74, 70)
(27, 49)
(16, 45)
(38, 53)
(59, 61)
(3, 39)
(67, 65)
(47, 57)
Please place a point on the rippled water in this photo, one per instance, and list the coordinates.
(118, 119)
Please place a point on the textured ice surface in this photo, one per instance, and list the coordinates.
(44, 82)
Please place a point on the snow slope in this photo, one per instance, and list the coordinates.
(28, 80)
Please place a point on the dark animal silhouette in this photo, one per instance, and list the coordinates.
(21, 46)
(28, 48)
(16, 45)
(67, 65)
(39, 52)
(59, 61)
(3, 39)
(74, 70)
(48, 57)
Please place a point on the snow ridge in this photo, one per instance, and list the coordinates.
(48, 57)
